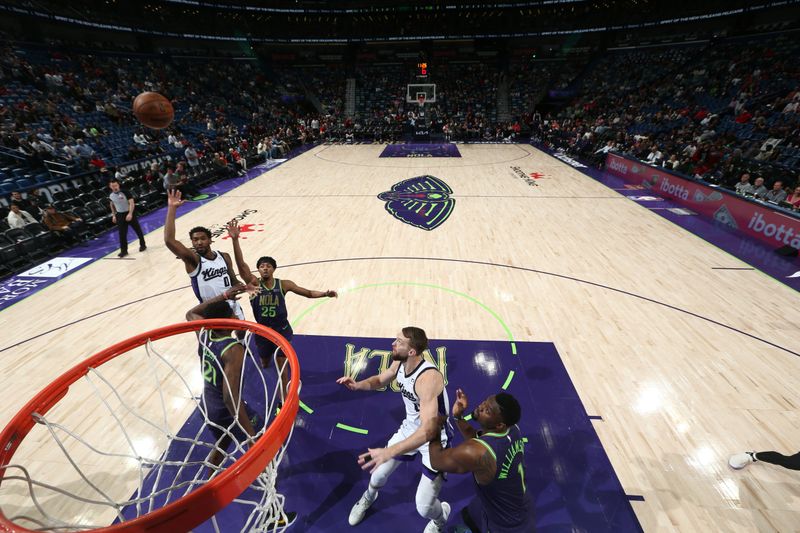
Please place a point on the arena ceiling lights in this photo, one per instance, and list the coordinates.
(372, 10)
(303, 40)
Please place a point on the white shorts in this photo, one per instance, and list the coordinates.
(402, 434)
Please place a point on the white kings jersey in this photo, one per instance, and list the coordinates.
(411, 399)
(211, 278)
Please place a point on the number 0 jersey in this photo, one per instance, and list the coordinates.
(211, 278)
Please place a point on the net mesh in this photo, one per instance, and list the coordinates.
(127, 450)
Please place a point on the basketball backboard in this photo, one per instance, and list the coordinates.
(415, 90)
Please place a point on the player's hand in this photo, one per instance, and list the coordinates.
(461, 403)
(348, 382)
(253, 287)
(331, 294)
(174, 198)
(374, 458)
(234, 292)
(233, 229)
(128, 217)
(433, 427)
(114, 219)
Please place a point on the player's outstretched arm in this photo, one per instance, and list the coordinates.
(174, 245)
(291, 286)
(241, 265)
(371, 383)
(196, 312)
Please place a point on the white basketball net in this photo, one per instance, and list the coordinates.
(83, 491)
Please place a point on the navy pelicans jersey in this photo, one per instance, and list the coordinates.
(211, 278)
(269, 306)
(411, 399)
(506, 505)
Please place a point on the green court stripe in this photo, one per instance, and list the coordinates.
(351, 428)
(480, 304)
(306, 408)
(508, 380)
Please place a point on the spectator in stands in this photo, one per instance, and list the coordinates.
(29, 204)
(171, 179)
(759, 190)
(97, 162)
(17, 218)
(220, 163)
(38, 199)
(175, 141)
(69, 151)
(43, 148)
(672, 163)
(64, 224)
(776, 194)
(177, 178)
(794, 198)
(140, 139)
(84, 152)
(744, 186)
(121, 174)
(151, 176)
(263, 148)
(191, 157)
(655, 156)
(238, 160)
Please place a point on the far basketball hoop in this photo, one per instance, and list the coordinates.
(421, 93)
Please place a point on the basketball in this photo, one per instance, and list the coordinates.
(153, 110)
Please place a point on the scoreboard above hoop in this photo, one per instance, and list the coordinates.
(422, 70)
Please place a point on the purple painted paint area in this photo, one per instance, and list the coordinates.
(421, 150)
(749, 250)
(568, 475)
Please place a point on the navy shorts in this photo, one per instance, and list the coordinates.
(222, 422)
(266, 348)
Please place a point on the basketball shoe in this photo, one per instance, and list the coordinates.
(437, 526)
(360, 508)
(741, 460)
(284, 521)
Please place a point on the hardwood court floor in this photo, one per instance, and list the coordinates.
(684, 363)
